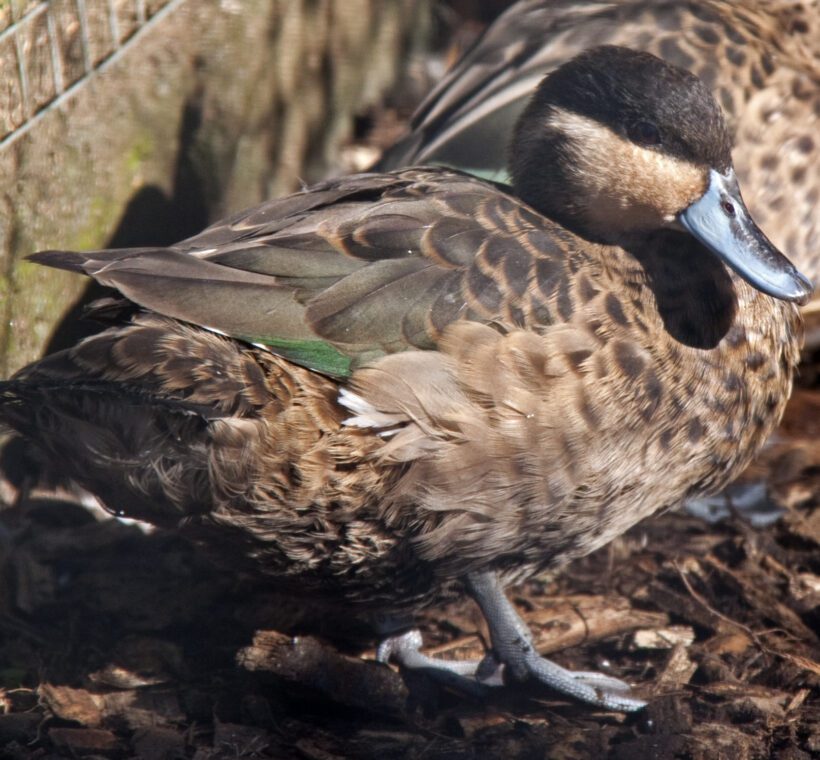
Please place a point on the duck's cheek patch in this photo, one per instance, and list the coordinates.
(626, 186)
(672, 182)
(648, 188)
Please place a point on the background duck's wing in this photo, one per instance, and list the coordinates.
(352, 269)
(479, 100)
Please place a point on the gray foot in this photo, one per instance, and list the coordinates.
(473, 677)
(512, 646)
(513, 658)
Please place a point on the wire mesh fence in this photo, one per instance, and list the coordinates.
(49, 49)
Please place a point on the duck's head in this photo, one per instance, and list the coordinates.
(618, 143)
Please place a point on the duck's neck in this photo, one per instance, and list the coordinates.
(696, 295)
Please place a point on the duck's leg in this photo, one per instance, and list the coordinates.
(513, 657)
(513, 647)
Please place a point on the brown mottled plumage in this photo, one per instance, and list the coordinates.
(386, 384)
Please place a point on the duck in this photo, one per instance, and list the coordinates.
(761, 58)
(393, 387)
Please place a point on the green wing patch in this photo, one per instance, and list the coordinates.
(315, 355)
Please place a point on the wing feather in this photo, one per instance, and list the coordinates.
(350, 270)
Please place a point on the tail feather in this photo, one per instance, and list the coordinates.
(142, 455)
(88, 261)
(12, 398)
(21, 401)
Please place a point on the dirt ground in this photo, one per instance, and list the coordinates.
(117, 643)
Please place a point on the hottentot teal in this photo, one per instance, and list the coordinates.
(392, 386)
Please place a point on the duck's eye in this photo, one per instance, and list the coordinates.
(644, 133)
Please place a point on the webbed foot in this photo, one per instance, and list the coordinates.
(513, 646)
(513, 658)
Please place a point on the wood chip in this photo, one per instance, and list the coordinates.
(19, 727)
(122, 678)
(347, 680)
(568, 621)
(797, 700)
(677, 672)
(78, 705)
(761, 596)
(143, 708)
(158, 744)
(664, 638)
(85, 741)
(803, 662)
(734, 643)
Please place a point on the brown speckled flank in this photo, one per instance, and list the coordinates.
(371, 388)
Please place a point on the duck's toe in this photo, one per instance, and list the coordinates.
(586, 686)
(513, 646)
(475, 677)
(465, 676)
